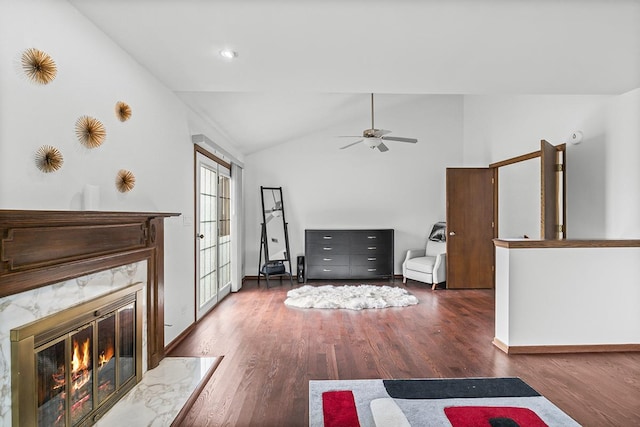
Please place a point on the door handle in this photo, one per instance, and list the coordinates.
(452, 233)
(200, 236)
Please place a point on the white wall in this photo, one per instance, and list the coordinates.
(516, 221)
(621, 165)
(603, 189)
(93, 74)
(325, 187)
(498, 127)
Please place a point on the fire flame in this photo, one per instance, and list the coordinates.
(105, 356)
(80, 369)
(81, 358)
(81, 365)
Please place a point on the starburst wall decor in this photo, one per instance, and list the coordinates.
(123, 111)
(90, 131)
(48, 159)
(38, 66)
(125, 181)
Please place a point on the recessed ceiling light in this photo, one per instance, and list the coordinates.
(228, 53)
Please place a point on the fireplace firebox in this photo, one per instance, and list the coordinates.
(71, 367)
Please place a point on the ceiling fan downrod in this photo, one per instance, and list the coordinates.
(372, 126)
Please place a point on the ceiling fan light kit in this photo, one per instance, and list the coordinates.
(228, 54)
(373, 137)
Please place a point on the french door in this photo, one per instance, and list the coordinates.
(213, 233)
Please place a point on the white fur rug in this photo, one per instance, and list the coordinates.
(351, 297)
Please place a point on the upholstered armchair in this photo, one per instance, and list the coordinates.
(428, 265)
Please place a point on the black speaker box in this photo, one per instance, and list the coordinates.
(300, 269)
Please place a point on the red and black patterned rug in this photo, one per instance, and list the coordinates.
(464, 402)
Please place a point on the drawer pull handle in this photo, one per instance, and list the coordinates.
(371, 269)
(327, 248)
(326, 269)
(372, 237)
(327, 259)
(372, 248)
(371, 259)
(327, 237)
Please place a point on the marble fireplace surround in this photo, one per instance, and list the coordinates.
(50, 260)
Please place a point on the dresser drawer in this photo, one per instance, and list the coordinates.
(364, 272)
(321, 248)
(380, 238)
(328, 259)
(328, 272)
(370, 249)
(320, 237)
(372, 260)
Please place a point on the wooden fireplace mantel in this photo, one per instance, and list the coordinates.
(39, 248)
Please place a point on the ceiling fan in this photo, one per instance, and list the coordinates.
(373, 137)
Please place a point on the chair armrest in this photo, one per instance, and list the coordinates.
(440, 268)
(414, 253)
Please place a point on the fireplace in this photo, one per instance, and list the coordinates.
(69, 368)
(52, 262)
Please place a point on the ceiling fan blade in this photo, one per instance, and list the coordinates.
(382, 147)
(349, 136)
(353, 143)
(398, 138)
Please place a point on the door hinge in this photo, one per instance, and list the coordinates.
(559, 167)
(493, 224)
(560, 228)
(493, 268)
(493, 180)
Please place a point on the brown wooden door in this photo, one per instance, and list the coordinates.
(470, 227)
(549, 191)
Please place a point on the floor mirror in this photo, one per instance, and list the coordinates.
(274, 240)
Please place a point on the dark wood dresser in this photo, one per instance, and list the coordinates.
(348, 254)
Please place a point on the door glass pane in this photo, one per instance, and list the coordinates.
(81, 386)
(224, 231)
(51, 373)
(208, 243)
(106, 359)
(126, 350)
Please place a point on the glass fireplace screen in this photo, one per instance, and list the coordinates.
(83, 368)
(69, 368)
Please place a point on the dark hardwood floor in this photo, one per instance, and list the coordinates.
(271, 351)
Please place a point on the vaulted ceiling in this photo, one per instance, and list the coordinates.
(304, 63)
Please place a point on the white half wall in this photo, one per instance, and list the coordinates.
(566, 302)
(325, 187)
(93, 74)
